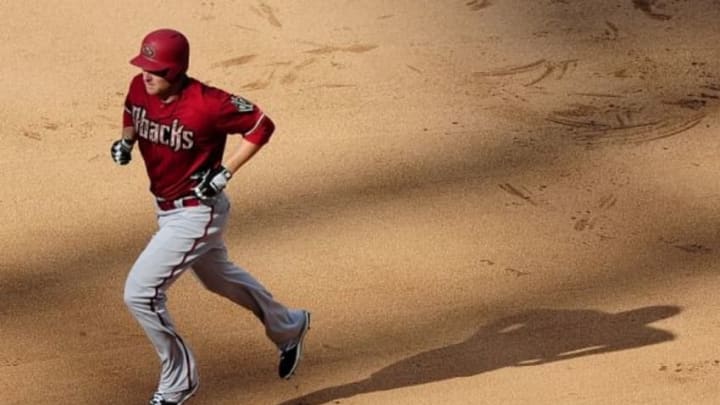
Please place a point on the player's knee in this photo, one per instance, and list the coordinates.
(130, 297)
(133, 293)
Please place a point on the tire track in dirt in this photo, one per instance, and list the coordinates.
(605, 118)
(626, 121)
(617, 128)
(544, 67)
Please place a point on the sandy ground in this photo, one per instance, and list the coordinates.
(482, 202)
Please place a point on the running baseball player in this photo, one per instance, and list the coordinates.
(180, 125)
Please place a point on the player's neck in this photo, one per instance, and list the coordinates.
(173, 92)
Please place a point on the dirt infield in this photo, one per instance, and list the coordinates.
(482, 202)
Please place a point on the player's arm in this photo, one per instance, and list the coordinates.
(215, 180)
(251, 142)
(121, 150)
(241, 155)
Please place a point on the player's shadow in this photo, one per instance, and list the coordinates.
(530, 338)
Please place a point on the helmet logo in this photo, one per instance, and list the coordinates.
(148, 51)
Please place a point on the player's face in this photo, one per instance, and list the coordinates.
(155, 84)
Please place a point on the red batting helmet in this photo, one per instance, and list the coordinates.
(164, 50)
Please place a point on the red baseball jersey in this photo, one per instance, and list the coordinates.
(180, 138)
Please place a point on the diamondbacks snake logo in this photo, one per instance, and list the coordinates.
(148, 51)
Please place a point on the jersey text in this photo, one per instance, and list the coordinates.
(175, 136)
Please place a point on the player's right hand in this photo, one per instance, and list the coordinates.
(121, 151)
(211, 182)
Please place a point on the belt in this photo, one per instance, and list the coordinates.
(182, 202)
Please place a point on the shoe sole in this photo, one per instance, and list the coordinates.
(300, 346)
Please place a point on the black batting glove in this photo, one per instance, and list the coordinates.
(121, 151)
(211, 182)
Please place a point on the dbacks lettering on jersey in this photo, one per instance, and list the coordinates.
(175, 136)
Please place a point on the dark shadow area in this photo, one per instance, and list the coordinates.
(529, 338)
(21, 289)
(473, 161)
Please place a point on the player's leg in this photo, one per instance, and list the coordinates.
(220, 275)
(183, 236)
(285, 327)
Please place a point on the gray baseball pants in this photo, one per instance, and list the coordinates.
(191, 237)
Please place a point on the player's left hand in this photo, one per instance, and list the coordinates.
(212, 182)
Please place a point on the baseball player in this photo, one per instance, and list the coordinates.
(180, 125)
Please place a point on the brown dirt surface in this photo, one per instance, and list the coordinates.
(481, 202)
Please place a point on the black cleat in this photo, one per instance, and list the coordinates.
(290, 357)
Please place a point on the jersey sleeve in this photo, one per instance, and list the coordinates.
(127, 110)
(127, 114)
(237, 115)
